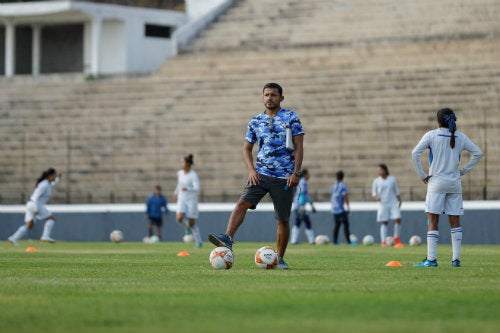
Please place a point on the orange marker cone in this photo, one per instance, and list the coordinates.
(394, 263)
(30, 249)
(399, 246)
(183, 254)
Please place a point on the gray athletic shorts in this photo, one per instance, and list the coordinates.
(282, 199)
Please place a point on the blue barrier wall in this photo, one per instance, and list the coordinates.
(481, 222)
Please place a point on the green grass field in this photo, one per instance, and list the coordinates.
(135, 287)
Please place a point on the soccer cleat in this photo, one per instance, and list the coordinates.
(199, 245)
(47, 240)
(221, 240)
(13, 241)
(427, 263)
(282, 264)
(383, 244)
(396, 240)
(455, 263)
(353, 244)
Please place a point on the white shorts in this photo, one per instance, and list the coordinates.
(388, 212)
(444, 203)
(189, 208)
(31, 208)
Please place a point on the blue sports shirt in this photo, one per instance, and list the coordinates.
(156, 206)
(273, 159)
(338, 191)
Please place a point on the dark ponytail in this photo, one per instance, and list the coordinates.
(45, 175)
(189, 159)
(384, 167)
(446, 118)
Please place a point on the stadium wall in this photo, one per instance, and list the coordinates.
(91, 223)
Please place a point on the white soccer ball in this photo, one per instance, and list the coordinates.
(221, 258)
(188, 238)
(154, 239)
(116, 236)
(389, 241)
(321, 240)
(368, 240)
(266, 258)
(146, 239)
(353, 238)
(415, 240)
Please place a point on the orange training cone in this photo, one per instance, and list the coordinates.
(399, 246)
(30, 249)
(394, 263)
(183, 254)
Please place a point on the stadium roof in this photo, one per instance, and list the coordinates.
(66, 10)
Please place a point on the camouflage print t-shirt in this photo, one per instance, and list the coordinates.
(273, 159)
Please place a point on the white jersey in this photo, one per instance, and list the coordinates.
(42, 192)
(444, 161)
(190, 182)
(386, 189)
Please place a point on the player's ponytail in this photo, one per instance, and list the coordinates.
(45, 175)
(446, 118)
(189, 159)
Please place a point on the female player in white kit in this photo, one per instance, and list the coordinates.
(444, 186)
(385, 190)
(186, 194)
(36, 210)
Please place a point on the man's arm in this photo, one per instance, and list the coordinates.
(298, 142)
(253, 176)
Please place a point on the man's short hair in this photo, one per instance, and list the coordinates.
(340, 175)
(273, 86)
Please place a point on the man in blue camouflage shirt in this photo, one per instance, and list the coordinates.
(277, 169)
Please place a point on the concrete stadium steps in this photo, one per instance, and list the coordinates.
(116, 139)
(298, 23)
(327, 61)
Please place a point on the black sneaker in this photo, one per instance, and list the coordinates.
(221, 240)
(455, 263)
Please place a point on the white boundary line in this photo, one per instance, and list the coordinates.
(228, 207)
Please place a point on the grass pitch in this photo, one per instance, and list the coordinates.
(135, 287)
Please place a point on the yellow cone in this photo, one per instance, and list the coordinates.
(394, 263)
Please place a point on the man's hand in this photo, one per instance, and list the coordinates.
(253, 178)
(292, 181)
(426, 179)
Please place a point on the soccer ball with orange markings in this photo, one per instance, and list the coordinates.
(221, 258)
(266, 258)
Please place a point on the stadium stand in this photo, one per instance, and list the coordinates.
(365, 77)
